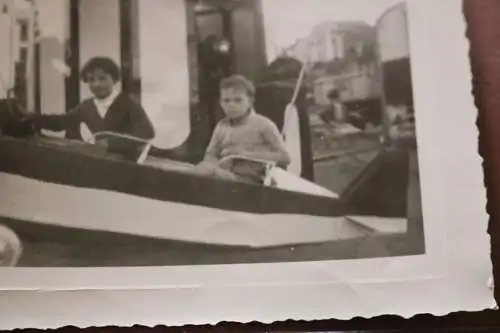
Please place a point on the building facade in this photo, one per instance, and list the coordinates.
(17, 33)
(332, 40)
(342, 57)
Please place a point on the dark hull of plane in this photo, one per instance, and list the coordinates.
(87, 166)
(380, 190)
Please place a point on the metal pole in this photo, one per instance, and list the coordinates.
(73, 55)
(30, 74)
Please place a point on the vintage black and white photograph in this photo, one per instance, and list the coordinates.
(198, 132)
(164, 161)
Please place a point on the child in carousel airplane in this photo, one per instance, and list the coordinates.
(108, 110)
(242, 133)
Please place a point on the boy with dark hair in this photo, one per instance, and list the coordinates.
(242, 133)
(108, 110)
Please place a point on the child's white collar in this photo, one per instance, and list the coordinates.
(103, 104)
(109, 99)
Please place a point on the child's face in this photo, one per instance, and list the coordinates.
(100, 83)
(235, 102)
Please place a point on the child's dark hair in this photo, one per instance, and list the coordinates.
(238, 82)
(107, 65)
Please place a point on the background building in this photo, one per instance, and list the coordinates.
(333, 40)
(342, 56)
(17, 52)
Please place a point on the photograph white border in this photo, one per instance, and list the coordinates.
(451, 276)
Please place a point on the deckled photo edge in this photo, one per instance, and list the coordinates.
(153, 319)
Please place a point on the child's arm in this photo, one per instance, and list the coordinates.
(59, 122)
(212, 152)
(277, 151)
(140, 127)
(208, 166)
(141, 124)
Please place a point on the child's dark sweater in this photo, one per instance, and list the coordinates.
(124, 116)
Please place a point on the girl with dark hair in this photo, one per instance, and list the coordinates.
(108, 110)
